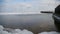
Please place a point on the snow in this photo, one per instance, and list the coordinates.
(1, 27)
(26, 31)
(19, 31)
(15, 31)
(52, 32)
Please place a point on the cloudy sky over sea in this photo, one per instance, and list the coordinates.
(27, 6)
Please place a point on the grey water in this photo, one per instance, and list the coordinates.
(32, 22)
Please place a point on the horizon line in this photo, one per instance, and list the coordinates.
(17, 13)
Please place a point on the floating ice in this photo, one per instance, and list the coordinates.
(49, 32)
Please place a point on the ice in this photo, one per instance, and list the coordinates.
(53, 32)
(5, 32)
(14, 31)
(44, 33)
(1, 27)
(26, 32)
(19, 31)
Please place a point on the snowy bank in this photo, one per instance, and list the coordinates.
(52, 32)
(15, 31)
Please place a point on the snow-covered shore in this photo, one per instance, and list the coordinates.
(19, 31)
(15, 31)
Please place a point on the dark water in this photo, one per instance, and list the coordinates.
(33, 22)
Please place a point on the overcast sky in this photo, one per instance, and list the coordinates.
(27, 6)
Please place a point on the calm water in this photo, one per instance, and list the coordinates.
(33, 22)
(27, 18)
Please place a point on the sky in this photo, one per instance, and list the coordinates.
(27, 6)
